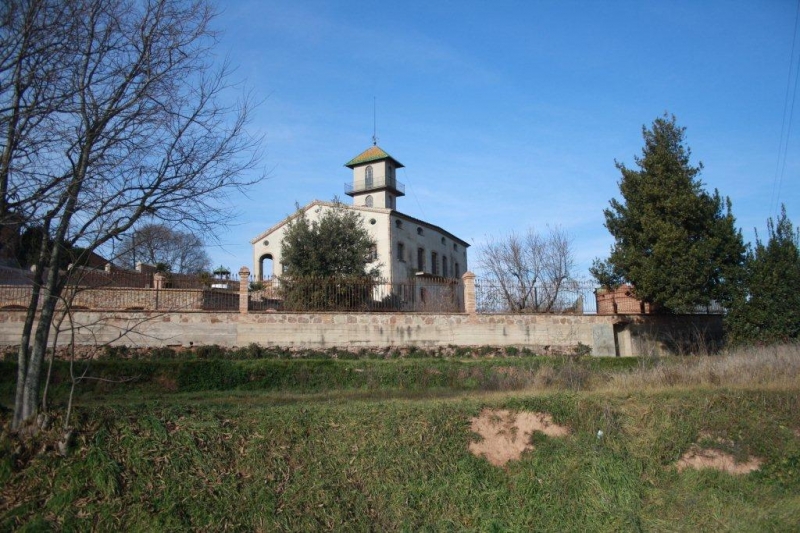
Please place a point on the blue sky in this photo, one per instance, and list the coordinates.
(509, 115)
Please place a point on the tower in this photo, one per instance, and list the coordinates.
(374, 182)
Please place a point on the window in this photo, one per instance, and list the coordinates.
(434, 264)
(398, 224)
(373, 221)
(368, 200)
(401, 252)
(368, 177)
(419, 231)
(373, 253)
(444, 265)
(443, 241)
(390, 201)
(457, 270)
(420, 259)
(455, 247)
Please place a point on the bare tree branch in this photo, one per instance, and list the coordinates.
(530, 271)
(111, 111)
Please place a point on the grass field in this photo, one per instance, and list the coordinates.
(367, 444)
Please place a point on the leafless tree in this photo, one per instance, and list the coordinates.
(110, 111)
(529, 271)
(183, 252)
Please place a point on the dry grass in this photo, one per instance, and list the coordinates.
(772, 366)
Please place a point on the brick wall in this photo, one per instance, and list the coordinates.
(621, 301)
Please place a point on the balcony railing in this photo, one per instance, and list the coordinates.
(375, 183)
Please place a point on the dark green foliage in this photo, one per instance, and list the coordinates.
(335, 245)
(674, 242)
(768, 307)
(327, 261)
(30, 244)
(582, 350)
(210, 351)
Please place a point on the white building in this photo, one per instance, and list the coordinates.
(406, 247)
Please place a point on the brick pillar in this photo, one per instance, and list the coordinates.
(158, 284)
(470, 300)
(244, 296)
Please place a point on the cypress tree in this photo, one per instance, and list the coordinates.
(674, 242)
(768, 309)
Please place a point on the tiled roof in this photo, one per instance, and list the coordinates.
(373, 153)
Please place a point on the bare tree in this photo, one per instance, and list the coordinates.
(110, 110)
(183, 252)
(529, 271)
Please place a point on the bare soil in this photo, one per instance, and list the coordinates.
(697, 458)
(506, 434)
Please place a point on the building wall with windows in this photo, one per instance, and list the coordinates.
(426, 249)
(406, 246)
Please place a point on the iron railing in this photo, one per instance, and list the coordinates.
(428, 294)
(493, 296)
(126, 290)
(372, 184)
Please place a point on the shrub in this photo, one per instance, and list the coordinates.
(212, 351)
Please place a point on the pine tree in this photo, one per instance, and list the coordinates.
(673, 241)
(768, 309)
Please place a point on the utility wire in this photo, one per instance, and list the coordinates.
(405, 176)
(783, 143)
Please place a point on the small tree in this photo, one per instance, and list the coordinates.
(767, 310)
(110, 111)
(155, 244)
(530, 271)
(327, 261)
(675, 243)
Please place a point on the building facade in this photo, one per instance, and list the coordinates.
(406, 247)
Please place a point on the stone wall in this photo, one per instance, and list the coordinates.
(606, 335)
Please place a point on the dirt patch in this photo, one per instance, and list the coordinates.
(697, 458)
(507, 434)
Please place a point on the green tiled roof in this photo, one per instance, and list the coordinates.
(373, 153)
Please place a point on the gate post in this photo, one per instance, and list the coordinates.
(470, 300)
(244, 296)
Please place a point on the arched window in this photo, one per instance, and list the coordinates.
(265, 265)
(368, 200)
(368, 178)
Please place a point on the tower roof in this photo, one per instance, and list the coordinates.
(373, 153)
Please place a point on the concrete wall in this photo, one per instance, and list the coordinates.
(607, 335)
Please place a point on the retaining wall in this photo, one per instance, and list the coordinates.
(606, 335)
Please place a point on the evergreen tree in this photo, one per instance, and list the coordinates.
(768, 310)
(674, 242)
(327, 261)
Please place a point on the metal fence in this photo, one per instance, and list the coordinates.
(429, 294)
(127, 290)
(127, 299)
(492, 296)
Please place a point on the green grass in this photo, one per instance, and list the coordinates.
(278, 453)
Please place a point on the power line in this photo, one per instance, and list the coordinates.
(405, 176)
(783, 143)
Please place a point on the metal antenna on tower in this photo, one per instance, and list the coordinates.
(374, 123)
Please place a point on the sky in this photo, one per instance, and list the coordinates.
(511, 115)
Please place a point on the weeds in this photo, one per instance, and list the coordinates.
(748, 367)
(211, 463)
